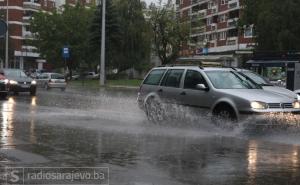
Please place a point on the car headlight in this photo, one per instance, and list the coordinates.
(259, 105)
(33, 82)
(6, 81)
(298, 97)
(13, 82)
(296, 105)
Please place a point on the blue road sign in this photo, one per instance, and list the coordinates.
(66, 52)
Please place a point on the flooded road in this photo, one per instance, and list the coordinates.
(105, 128)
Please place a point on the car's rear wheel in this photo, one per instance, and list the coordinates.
(225, 117)
(46, 86)
(154, 110)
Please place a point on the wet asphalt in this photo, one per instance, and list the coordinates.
(105, 128)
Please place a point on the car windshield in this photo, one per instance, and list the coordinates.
(15, 73)
(57, 76)
(256, 78)
(230, 80)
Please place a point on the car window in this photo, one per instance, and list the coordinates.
(57, 76)
(256, 78)
(15, 73)
(154, 77)
(229, 80)
(173, 77)
(192, 78)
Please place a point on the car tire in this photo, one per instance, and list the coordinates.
(62, 89)
(225, 117)
(46, 86)
(3, 96)
(155, 111)
(33, 92)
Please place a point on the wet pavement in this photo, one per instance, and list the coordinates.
(105, 128)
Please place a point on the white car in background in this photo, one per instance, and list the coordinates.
(52, 80)
(91, 75)
(268, 86)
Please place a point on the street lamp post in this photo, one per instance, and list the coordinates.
(102, 61)
(7, 36)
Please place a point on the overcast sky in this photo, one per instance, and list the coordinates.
(154, 1)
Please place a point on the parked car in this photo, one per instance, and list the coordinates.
(91, 75)
(17, 81)
(266, 85)
(52, 80)
(3, 87)
(223, 92)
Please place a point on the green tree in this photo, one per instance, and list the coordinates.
(113, 35)
(170, 32)
(58, 29)
(127, 37)
(277, 24)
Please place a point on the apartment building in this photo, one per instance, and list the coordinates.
(21, 54)
(214, 28)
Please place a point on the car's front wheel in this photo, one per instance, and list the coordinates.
(33, 92)
(154, 110)
(225, 117)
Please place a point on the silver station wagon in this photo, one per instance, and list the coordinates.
(224, 92)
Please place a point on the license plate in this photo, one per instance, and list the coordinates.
(25, 86)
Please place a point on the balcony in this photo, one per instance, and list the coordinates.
(232, 41)
(233, 4)
(214, 9)
(232, 22)
(202, 13)
(28, 35)
(213, 26)
(32, 5)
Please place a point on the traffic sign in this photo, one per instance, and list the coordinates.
(3, 27)
(66, 52)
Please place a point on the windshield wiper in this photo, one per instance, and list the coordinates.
(245, 81)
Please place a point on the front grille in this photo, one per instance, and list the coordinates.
(280, 105)
(23, 83)
(274, 105)
(287, 105)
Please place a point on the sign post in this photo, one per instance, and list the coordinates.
(65, 55)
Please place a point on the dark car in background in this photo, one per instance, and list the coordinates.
(3, 87)
(17, 81)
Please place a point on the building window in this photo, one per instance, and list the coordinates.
(248, 32)
(213, 36)
(222, 18)
(222, 35)
(211, 4)
(223, 2)
(209, 21)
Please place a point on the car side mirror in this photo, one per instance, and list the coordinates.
(201, 87)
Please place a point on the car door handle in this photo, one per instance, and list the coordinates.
(160, 91)
(183, 93)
